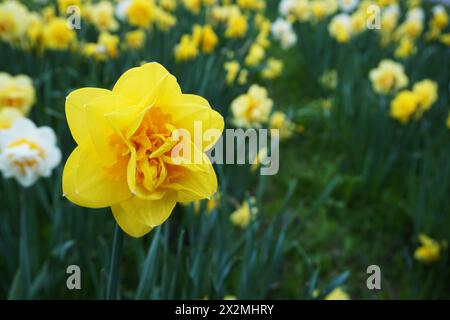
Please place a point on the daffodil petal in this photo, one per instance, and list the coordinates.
(196, 185)
(129, 222)
(86, 181)
(138, 212)
(75, 111)
(137, 83)
(100, 128)
(196, 111)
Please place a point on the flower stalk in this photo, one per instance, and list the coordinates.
(114, 272)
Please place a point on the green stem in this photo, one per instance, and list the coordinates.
(24, 254)
(114, 272)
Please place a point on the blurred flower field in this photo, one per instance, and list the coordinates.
(355, 91)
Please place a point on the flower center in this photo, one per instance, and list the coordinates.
(26, 154)
(152, 141)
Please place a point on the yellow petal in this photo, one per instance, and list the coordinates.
(196, 185)
(196, 109)
(87, 183)
(133, 214)
(99, 126)
(129, 222)
(137, 83)
(75, 110)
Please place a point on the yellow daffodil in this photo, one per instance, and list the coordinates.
(404, 105)
(251, 109)
(8, 116)
(102, 16)
(63, 5)
(237, 25)
(255, 55)
(243, 215)
(232, 69)
(57, 36)
(405, 48)
(340, 27)
(193, 6)
(388, 77)
(186, 49)
(429, 250)
(16, 92)
(205, 38)
(13, 20)
(273, 69)
(280, 121)
(426, 92)
(164, 20)
(125, 154)
(140, 13)
(135, 39)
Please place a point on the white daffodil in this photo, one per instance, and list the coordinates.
(28, 152)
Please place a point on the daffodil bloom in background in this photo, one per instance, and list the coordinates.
(164, 20)
(13, 20)
(28, 152)
(232, 69)
(427, 94)
(348, 5)
(319, 9)
(186, 49)
(193, 5)
(169, 5)
(337, 294)
(8, 116)
(440, 17)
(246, 213)
(280, 121)
(429, 250)
(110, 42)
(205, 38)
(125, 139)
(389, 21)
(255, 55)
(57, 36)
(229, 297)
(273, 69)
(388, 77)
(413, 24)
(405, 48)
(252, 109)
(340, 27)
(135, 39)
(302, 10)
(358, 22)
(94, 50)
(404, 105)
(35, 29)
(242, 77)
(140, 13)
(102, 16)
(282, 31)
(16, 92)
(63, 5)
(237, 25)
